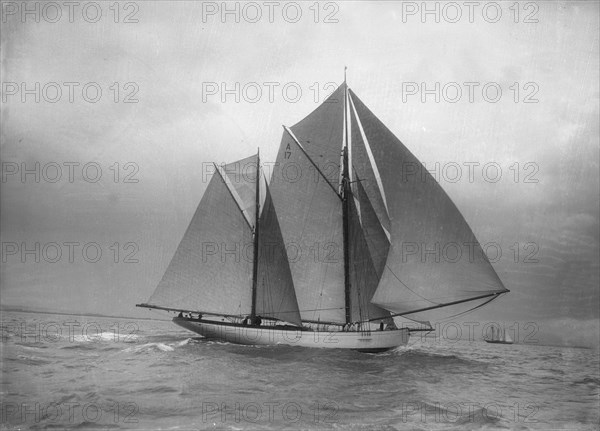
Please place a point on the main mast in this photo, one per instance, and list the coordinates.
(346, 207)
(256, 232)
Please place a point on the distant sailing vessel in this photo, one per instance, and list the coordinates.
(499, 337)
(323, 255)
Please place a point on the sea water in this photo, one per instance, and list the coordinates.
(61, 371)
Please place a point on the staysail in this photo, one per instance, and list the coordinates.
(275, 296)
(434, 257)
(364, 277)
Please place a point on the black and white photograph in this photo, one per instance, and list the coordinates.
(300, 215)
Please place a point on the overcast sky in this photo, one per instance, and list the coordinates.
(174, 57)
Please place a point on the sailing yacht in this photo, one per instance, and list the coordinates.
(317, 256)
(499, 337)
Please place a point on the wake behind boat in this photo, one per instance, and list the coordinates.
(316, 257)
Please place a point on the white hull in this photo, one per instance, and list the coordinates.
(366, 341)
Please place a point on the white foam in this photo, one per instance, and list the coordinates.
(184, 342)
(160, 346)
(105, 336)
(163, 347)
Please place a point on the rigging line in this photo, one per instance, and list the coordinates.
(440, 297)
(472, 309)
(442, 305)
(208, 313)
(273, 313)
(322, 309)
(228, 316)
(287, 129)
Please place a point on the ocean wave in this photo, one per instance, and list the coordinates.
(150, 346)
(163, 347)
(105, 336)
(433, 357)
(174, 378)
(85, 425)
(32, 360)
(184, 342)
(594, 381)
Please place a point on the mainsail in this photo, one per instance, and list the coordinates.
(212, 269)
